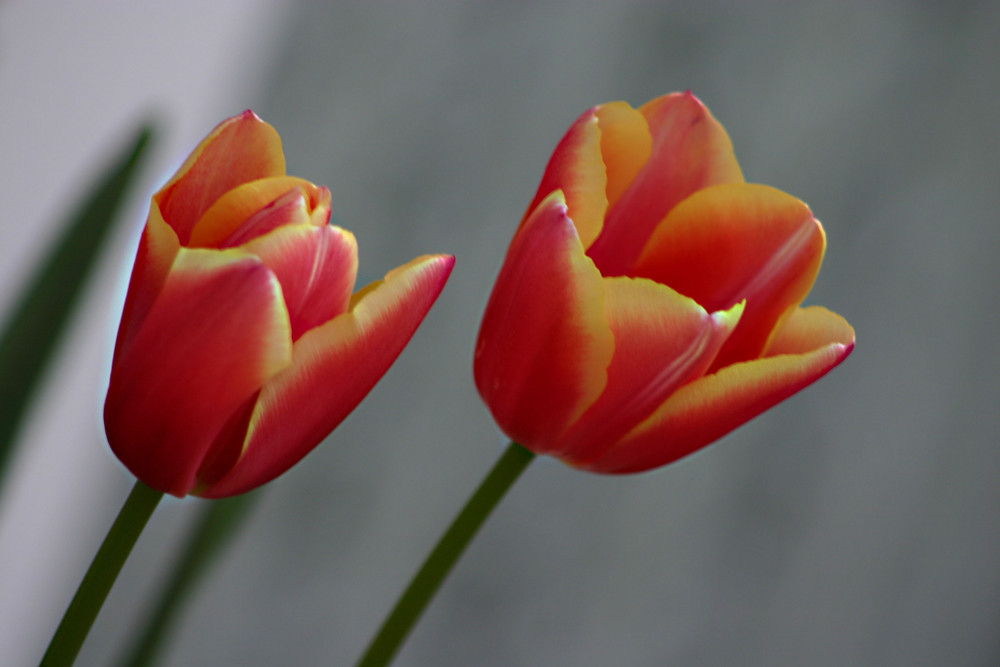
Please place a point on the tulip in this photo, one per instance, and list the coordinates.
(650, 300)
(241, 345)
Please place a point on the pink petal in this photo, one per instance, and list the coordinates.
(231, 211)
(241, 149)
(216, 333)
(733, 242)
(703, 411)
(691, 151)
(316, 267)
(290, 209)
(544, 343)
(334, 367)
(662, 340)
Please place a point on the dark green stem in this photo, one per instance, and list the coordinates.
(449, 548)
(104, 569)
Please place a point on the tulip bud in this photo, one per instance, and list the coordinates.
(241, 345)
(650, 301)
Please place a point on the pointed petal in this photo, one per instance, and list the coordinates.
(733, 242)
(158, 248)
(544, 343)
(808, 329)
(235, 207)
(710, 407)
(334, 367)
(241, 149)
(691, 151)
(662, 340)
(577, 168)
(316, 266)
(217, 331)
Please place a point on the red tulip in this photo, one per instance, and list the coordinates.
(650, 300)
(241, 345)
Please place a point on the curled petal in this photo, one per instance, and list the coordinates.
(738, 242)
(662, 340)
(290, 209)
(710, 407)
(316, 266)
(241, 149)
(333, 367)
(231, 211)
(544, 344)
(577, 168)
(690, 151)
(216, 333)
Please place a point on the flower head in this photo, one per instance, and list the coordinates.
(650, 300)
(241, 345)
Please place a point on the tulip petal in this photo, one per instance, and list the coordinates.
(806, 329)
(334, 366)
(691, 151)
(662, 340)
(316, 266)
(241, 149)
(290, 209)
(216, 333)
(234, 208)
(626, 145)
(710, 407)
(734, 242)
(577, 168)
(158, 247)
(544, 344)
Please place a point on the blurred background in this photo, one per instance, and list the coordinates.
(857, 523)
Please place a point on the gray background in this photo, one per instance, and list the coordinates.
(857, 523)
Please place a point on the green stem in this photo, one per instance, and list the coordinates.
(449, 548)
(104, 569)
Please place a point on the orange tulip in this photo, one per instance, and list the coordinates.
(650, 300)
(241, 345)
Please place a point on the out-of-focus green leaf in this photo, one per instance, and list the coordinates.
(40, 316)
(218, 524)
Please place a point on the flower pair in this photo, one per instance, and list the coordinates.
(649, 303)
